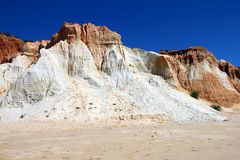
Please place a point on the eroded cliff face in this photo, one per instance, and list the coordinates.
(232, 72)
(99, 39)
(238, 72)
(16, 56)
(10, 47)
(85, 73)
(196, 69)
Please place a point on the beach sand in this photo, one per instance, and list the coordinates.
(165, 141)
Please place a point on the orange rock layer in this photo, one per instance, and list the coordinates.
(10, 47)
(192, 69)
(196, 69)
(99, 39)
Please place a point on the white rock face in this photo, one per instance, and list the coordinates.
(76, 61)
(65, 84)
(114, 65)
(197, 72)
(223, 79)
(9, 72)
(43, 79)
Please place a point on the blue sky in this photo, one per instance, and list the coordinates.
(151, 24)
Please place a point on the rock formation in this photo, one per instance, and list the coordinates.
(85, 73)
(99, 39)
(232, 71)
(16, 56)
(34, 47)
(9, 48)
(196, 69)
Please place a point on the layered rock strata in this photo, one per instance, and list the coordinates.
(196, 69)
(85, 73)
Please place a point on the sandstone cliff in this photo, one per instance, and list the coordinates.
(99, 39)
(16, 56)
(85, 73)
(196, 69)
(10, 47)
(232, 72)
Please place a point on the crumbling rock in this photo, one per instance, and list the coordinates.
(232, 71)
(99, 39)
(88, 68)
(196, 69)
(10, 47)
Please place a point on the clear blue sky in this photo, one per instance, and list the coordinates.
(150, 24)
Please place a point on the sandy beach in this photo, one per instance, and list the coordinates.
(167, 141)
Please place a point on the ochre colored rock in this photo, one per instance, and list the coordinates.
(99, 39)
(10, 47)
(231, 70)
(171, 70)
(196, 69)
(238, 73)
(16, 56)
(31, 49)
(191, 55)
(65, 77)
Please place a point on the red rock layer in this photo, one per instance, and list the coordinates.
(233, 73)
(210, 86)
(10, 47)
(99, 39)
(238, 72)
(231, 70)
(190, 55)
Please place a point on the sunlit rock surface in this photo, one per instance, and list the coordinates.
(85, 73)
(196, 69)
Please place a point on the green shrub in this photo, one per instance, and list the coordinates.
(194, 94)
(216, 107)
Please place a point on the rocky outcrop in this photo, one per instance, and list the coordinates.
(41, 80)
(16, 56)
(99, 39)
(196, 69)
(86, 74)
(231, 70)
(10, 47)
(115, 66)
(172, 71)
(34, 47)
(191, 55)
(238, 72)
